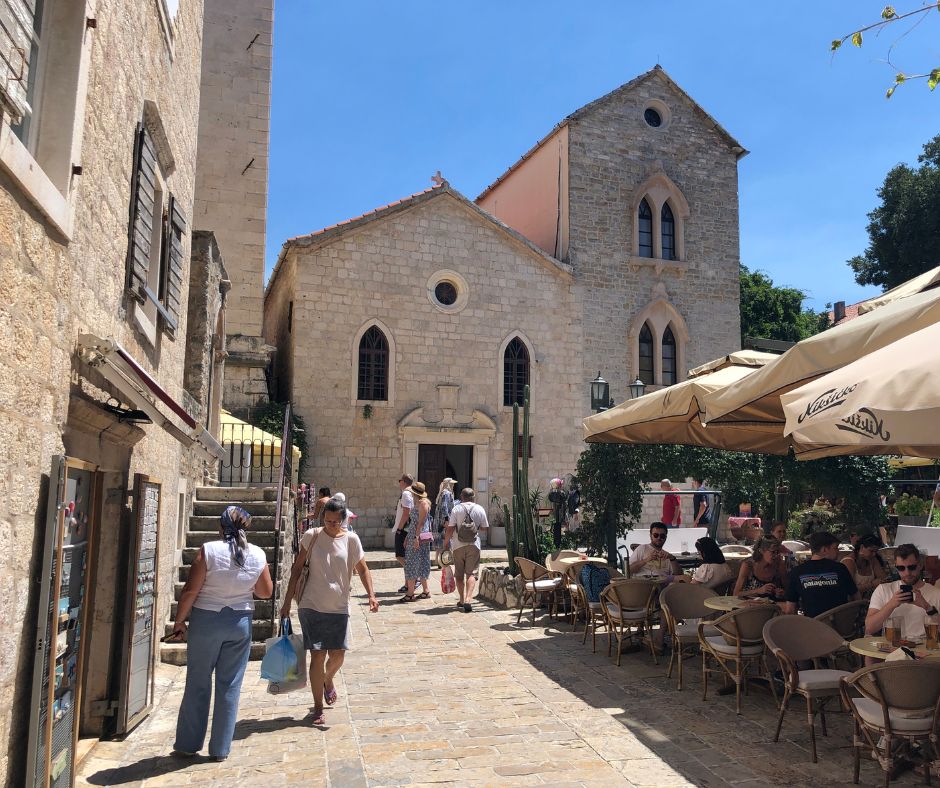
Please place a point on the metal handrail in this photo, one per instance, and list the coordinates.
(284, 477)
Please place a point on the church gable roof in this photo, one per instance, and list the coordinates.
(328, 234)
(657, 72)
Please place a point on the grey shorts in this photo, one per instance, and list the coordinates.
(466, 561)
(324, 631)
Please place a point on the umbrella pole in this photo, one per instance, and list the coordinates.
(933, 503)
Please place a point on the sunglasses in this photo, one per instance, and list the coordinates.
(907, 567)
(658, 536)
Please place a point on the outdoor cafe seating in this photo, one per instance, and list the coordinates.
(737, 649)
(538, 581)
(630, 606)
(683, 605)
(797, 639)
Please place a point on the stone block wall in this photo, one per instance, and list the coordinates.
(232, 171)
(54, 288)
(380, 271)
(612, 151)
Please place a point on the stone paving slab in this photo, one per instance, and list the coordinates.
(432, 696)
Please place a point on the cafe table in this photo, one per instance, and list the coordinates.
(868, 647)
(729, 603)
(564, 563)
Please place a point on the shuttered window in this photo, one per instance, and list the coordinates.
(20, 27)
(157, 230)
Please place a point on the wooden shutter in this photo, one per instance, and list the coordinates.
(16, 25)
(140, 228)
(171, 290)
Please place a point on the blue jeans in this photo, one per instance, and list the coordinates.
(217, 642)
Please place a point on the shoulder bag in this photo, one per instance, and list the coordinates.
(305, 572)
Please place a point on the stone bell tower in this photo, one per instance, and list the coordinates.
(232, 178)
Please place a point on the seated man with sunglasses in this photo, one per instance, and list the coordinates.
(652, 558)
(909, 599)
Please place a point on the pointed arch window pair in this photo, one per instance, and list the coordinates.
(667, 225)
(373, 366)
(669, 359)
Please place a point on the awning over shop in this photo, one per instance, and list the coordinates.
(122, 371)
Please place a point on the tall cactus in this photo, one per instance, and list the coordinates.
(525, 541)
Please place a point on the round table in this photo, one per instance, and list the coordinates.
(661, 579)
(728, 603)
(564, 563)
(868, 647)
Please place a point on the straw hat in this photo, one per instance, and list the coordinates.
(419, 490)
(448, 481)
(445, 558)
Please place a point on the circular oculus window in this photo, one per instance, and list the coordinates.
(448, 291)
(652, 118)
(656, 114)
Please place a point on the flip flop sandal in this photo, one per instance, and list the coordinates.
(319, 718)
(330, 696)
(425, 595)
(407, 598)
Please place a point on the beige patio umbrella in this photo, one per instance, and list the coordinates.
(918, 284)
(672, 415)
(887, 402)
(755, 400)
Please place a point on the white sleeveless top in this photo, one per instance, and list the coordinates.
(228, 584)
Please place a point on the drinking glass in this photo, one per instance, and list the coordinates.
(932, 627)
(893, 632)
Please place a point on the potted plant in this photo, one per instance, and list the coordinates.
(496, 534)
(911, 510)
(389, 537)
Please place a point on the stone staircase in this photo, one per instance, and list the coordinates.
(208, 505)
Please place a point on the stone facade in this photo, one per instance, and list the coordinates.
(580, 307)
(63, 274)
(232, 177)
(612, 151)
(446, 366)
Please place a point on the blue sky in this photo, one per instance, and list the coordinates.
(370, 98)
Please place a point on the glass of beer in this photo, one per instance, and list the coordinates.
(893, 632)
(931, 626)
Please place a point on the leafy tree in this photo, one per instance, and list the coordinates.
(891, 18)
(904, 231)
(772, 312)
(270, 418)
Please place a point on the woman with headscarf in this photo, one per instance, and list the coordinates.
(217, 599)
(418, 546)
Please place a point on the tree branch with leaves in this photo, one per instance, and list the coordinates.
(890, 18)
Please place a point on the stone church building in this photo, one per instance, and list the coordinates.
(404, 335)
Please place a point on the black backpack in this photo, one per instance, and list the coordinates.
(467, 530)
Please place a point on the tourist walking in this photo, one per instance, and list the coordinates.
(406, 503)
(701, 511)
(463, 534)
(418, 545)
(331, 555)
(323, 496)
(443, 506)
(672, 514)
(217, 600)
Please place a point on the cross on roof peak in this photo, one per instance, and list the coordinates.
(438, 180)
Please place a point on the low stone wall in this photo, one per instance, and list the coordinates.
(498, 588)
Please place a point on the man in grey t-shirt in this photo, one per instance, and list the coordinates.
(467, 519)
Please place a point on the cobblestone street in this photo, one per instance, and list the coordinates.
(430, 695)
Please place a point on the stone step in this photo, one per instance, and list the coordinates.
(175, 653)
(260, 629)
(215, 508)
(263, 607)
(183, 574)
(236, 494)
(258, 524)
(197, 538)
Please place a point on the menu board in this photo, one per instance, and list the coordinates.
(137, 695)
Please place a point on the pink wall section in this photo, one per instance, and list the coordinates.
(528, 199)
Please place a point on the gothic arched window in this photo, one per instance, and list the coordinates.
(646, 355)
(373, 366)
(515, 372)
(669, 357)
(645, 227)
(668, 225)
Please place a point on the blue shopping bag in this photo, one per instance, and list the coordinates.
(280, 657)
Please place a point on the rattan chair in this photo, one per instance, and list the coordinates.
(740, 644)
(683, 604)
(849, 621)
(630, 604)
(594, 617)
(795, 639)
(898, 708)
(538, 580)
